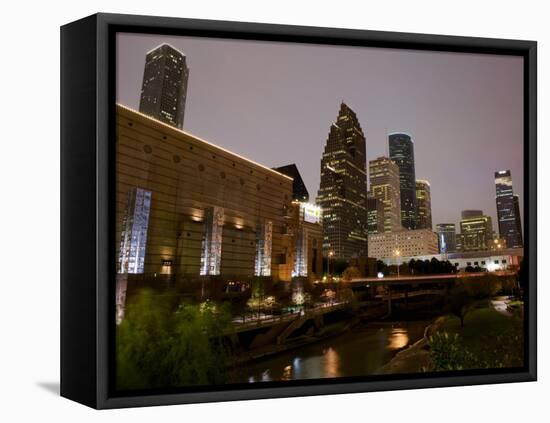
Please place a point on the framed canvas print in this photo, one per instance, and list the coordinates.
(257, 211)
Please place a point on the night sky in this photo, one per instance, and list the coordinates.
(274, 103)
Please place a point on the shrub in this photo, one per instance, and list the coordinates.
(350, 273)
(159, 346)
(448, 353)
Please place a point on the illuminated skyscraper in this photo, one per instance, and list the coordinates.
(343, 189)
(518, 218)
(423, 205)
(375, 215)
(164, 89)
(509, 221)
(446, 236)
(476, 230)
(384, 185)
(402, 153)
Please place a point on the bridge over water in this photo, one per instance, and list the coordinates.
(407, 286)
(425, 279)
(276, 329)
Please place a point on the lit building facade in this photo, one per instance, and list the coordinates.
(385, 186)
(446, 236)
(476, 230)
(498, 244)
(197, 209)
(406, 243)
(375, 215)
(164, 87)
(401, 147)
(423, 205)
(509, 221)
(342, 193)
(135, 225)
(518, 217)
(304, 229)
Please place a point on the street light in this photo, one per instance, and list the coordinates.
(397, 254)
(330, 254)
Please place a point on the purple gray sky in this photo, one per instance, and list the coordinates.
(274, 103)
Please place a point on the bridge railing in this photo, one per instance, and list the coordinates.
(244, 322)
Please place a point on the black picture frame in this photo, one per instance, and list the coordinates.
(87, 172)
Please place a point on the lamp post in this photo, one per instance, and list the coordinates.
(330, 254)
(397, 254)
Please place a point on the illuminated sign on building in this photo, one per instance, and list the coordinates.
(211, 251)
(300, 254)
(264, 236)
(134, 231)
(311, 212)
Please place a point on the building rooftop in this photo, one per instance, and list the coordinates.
(299, 190)
(165, 44)
(178, 132)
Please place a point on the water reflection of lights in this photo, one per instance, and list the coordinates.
(399, 338)
(331, 363)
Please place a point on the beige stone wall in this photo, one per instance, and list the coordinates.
(187, 175)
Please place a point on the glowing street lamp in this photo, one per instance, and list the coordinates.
(397, 253)
(330, 254)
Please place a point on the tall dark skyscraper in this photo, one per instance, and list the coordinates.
(509, 222)
(402, 153)
(343, 188)
(299, 190)
(164, 89)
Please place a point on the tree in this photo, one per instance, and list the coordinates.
(338, 266)
(350, 273)
(381, 267)
(460, 302)
(509, 284)
(482, 287)
(412, 264)
(470, 290)
(159, 347)
(435, 266)
(523, 277)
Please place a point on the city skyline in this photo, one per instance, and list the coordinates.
(476, 143)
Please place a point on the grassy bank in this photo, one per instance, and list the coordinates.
(488, 339)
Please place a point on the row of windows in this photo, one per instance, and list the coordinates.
(476, 263)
